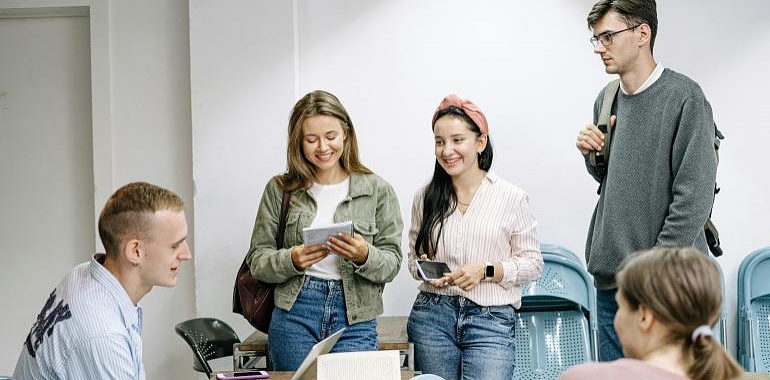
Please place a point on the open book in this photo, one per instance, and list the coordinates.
(369, 365)
(319, 235)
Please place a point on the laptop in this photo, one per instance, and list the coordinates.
(306, 370)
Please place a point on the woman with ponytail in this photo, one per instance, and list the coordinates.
(668, 299)
(481, 226)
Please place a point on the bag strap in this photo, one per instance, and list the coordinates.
(282, 219)
(712, 234)
(600, 159)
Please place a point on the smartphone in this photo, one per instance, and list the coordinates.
(432, 270)
(243, 375)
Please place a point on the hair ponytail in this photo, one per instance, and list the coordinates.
(709, 360)
(686, 297)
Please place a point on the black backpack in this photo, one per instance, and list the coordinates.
(599, 159)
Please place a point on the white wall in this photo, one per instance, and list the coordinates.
(39, 194)
(152, 142)
(527, 64)
(141, 131)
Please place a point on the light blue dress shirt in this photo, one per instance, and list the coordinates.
(88, 329)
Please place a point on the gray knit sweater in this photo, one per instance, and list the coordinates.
(659, 186)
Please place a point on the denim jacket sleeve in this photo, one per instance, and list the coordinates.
(384, 260)
(267, 263)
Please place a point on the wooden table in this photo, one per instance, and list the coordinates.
(755, 376)
(391, 335)
(286, 375)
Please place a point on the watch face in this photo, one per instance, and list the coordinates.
(490, 271)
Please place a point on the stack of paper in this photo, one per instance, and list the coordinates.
(320, 235)
(369, 365)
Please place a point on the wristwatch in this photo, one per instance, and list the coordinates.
(489, 271)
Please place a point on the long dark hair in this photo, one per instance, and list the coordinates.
(440, 199)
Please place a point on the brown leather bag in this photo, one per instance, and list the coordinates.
(253, 298)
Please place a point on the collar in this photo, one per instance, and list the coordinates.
(132, 314)
(654, 76)
(491, 177)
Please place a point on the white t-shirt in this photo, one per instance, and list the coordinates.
(327, 198)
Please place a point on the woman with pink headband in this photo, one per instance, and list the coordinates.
(481, 226)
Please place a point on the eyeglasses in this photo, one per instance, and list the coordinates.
(606, 37)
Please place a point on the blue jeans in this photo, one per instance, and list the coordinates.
(457, 339)
(609, 343)
(318, 312)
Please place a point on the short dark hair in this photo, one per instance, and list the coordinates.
(128, 213)
(633, 12)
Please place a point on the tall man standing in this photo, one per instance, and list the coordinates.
(659, 183)
(90, 327)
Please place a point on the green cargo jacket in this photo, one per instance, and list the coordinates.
(372, 206)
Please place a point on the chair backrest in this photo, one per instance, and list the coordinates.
(556, 325)
(550, 342)
(560, 251)
(563, 282)
(209, 338)
(754, 311)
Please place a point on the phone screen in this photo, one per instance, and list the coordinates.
(431, 270)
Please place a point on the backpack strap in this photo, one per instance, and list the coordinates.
(712, 234)
(600, 159)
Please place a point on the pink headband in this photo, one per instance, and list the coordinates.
(468, 107)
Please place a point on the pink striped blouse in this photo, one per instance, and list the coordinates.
(497, 226)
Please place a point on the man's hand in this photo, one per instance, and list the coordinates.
(591, 138)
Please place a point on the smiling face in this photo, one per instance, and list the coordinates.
(456, 146)
(164, 250)
(622, 54)
(323, 142)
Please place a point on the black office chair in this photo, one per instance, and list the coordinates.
(209, 338)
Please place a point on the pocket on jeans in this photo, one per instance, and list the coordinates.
(504, 313)
(425, 299)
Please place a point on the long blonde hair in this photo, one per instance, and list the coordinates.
(300, 172)
(681, 288)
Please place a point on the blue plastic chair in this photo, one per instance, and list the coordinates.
(720, 328)
(561, 251)
(754, 311)
(556, 325)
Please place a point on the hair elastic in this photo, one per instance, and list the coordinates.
(702, 330)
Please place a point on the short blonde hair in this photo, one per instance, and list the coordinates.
(128, 213)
